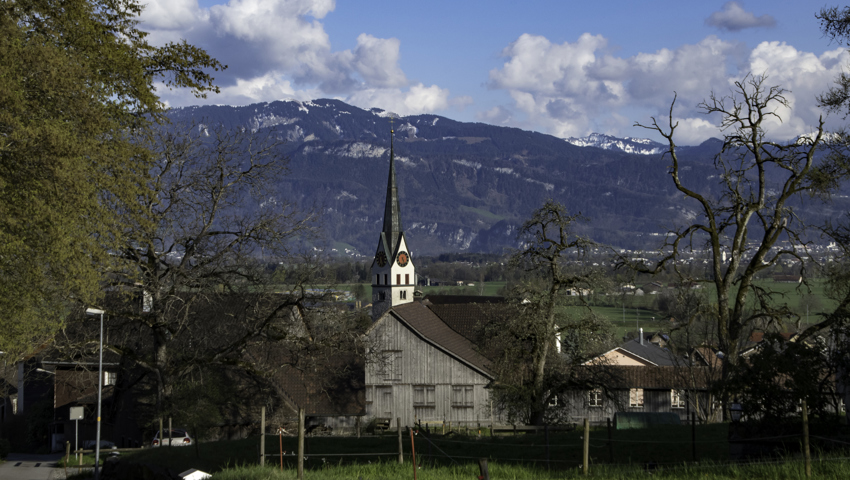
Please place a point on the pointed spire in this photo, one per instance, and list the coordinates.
(392, 211)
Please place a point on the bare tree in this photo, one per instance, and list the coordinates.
(693, 337)
(744, 227)
(213, 268)
(537, 344)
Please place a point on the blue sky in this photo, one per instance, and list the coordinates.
(567, 68)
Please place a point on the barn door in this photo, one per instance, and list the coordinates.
(384, 402)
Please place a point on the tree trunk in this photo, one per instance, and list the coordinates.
(161, 366)
(538, 394)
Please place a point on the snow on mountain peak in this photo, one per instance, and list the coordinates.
(640, 146)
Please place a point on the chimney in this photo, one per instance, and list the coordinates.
(641, 335)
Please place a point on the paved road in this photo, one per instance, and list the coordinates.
(31, 467)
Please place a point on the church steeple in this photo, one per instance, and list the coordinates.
(393, 273)
(392, 211)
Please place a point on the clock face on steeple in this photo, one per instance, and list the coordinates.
(381, 259)
(403, 258)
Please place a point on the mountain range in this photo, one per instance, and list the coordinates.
(469, 186)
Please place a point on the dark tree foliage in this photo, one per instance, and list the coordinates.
(835, 25)
(76, 83)
(780, 374)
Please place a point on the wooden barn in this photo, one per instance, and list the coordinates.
(420, 369)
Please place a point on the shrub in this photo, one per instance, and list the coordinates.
(5, 448)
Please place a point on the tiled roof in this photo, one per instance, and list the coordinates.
(429, 326)
(659, 377)
(461, 299)
(469, 317)
(650, 351)
(321, 396)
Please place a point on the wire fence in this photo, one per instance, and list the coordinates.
(686, 448)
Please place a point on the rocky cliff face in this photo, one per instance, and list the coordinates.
(463, 186)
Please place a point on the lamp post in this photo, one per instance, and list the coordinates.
(95, 312)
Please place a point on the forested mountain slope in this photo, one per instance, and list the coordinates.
(465, 186)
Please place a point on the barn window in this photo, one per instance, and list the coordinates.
(391, 365)
(462, 396)
(424, 396)
(636, 397)
(677, 398)
(594, 398)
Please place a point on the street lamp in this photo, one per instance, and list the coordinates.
(95, 312)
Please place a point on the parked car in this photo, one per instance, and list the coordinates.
(179, 438)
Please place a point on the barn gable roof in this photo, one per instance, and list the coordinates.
(428, 326)
(465, 315)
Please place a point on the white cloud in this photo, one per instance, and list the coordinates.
(538, 65)
(497, 115)
(376, 59)
(733, 17)
(573, 89)
(692, 131)
(415, 100)
(170, 14)
(279, 49)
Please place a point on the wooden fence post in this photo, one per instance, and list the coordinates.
(357, 422)
(586, 453)
(67, 456)
(413, 452)
(482, 468)
(300, 444)
(161, 433)
(170, 433)
(547, 445)
(610, 443)
(694, 435)
(262, 436)
(400, 451)
(806, 451)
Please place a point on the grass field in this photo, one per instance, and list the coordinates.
(635, 312)
(665, 444)
(666, 449)
(786, 469)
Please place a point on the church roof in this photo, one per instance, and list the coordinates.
(431, 328)
(392, 211)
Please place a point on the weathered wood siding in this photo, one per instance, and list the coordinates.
(577, 408)
(391, 395)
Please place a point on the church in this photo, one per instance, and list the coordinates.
(422, 364)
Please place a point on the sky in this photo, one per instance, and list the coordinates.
(562, 67)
